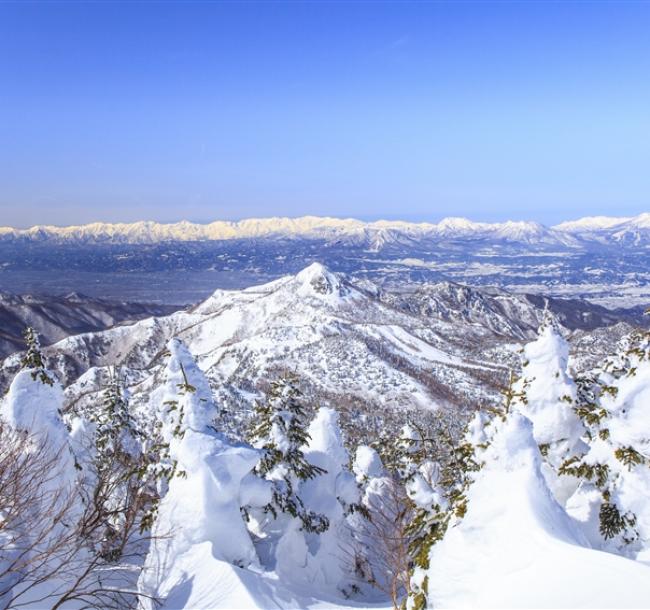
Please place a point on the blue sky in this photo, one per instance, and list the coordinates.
(203, 110)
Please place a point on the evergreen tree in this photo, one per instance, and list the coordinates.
(117, 434)
(280, 431)
(611, 501)
(33, 358)
(126, 476)
(434, 468)
(320, 556)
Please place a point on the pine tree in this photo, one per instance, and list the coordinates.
(117, 435)
(281, 433)
(33, 358)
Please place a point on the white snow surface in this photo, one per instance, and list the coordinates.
(205, 583)
(517, 548)
(34, 407)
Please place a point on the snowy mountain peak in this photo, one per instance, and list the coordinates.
(372, 236)
(590, 223)
(641, 221)
(318, 279)
(455, 224)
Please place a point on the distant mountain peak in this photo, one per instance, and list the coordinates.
(373, 235)
(318, 279)
(590, 223)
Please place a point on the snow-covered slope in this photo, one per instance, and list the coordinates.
(517, 548)
(590, 223)
(55, 318)
(633, 231)
(355, 346)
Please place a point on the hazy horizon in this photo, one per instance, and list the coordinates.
(341, 217)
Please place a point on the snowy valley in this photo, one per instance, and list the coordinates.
(604, 260)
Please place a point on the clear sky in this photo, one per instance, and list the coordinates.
(122, 111)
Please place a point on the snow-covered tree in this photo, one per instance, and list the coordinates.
(435, 469)
(121, 475)
(33, 358)
(516, 543)
(319, 557)
(201, 507)
(546, 395)
(611, 501)
(280, 432)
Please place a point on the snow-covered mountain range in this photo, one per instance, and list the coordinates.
(376, 234)
(605, 260)
(354, 364)
(357, 347)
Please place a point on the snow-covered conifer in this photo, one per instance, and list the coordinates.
(436, 470)
(319, 557)
(546, 394)
(516, 543)
(33, 358)
(611, 501)
(123, 482)
(280, 432)
(202, 503)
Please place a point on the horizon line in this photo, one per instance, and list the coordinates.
(380, 220)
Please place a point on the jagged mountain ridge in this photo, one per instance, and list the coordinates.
(353, 345)
(373, 234)
(504, 313)
(55, 318)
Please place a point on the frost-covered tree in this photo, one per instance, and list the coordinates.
(201, 508)
(320, 557)
(280, 432)
(611, 501)
(546, 394)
